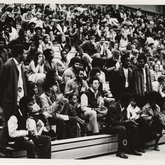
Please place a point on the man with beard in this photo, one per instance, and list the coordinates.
(70, 72)
(12, 88)
(76, 85)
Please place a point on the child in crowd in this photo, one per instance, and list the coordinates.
(75, 111)
(133, 111)
(36, 125)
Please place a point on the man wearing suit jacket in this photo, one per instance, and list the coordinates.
(142, 79)
(122, 79)
(12, 88)
(127, 130)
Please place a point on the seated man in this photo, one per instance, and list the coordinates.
(76, 85)
(127, 130)
(92, 105)
(24, 138)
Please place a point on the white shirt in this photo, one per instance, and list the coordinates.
(13, 126)
(20, 91)
(84, 102)
(13, 34)
(38, 127)
(126, 77)
(132, 112)
(122, 108)
(145, 80)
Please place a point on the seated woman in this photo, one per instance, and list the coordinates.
(62, 63)
(37, 122)
(47, 43)
(55, 108)
(36, 68)
(32, 89)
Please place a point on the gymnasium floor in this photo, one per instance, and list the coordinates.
(150, 155)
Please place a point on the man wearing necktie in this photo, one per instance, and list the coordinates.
(12, 88)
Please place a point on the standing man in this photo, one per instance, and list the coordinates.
(12, 89)
(122, 79)
(142, 79)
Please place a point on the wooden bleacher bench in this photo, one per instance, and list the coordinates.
(81, 147)
(75, 148)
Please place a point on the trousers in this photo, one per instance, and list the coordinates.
(40, 145)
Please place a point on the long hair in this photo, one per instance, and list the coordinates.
(36, 57)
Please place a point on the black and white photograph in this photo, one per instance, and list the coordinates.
(82, 81)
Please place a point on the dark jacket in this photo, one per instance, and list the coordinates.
(118, 82)
(8, 87)
(115, 116)
(92, 100)
(139, 81)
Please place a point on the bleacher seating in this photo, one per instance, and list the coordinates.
(82, 147)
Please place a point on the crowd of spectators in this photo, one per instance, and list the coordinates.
(116, 51)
